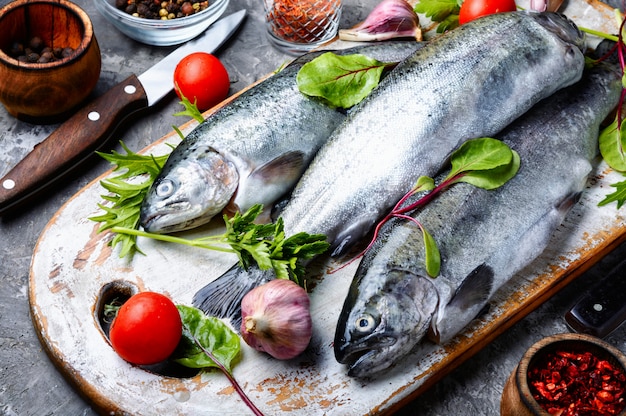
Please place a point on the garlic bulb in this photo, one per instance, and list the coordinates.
(388, 20)
(276, 319)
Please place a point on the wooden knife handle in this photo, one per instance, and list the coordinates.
(74, 141)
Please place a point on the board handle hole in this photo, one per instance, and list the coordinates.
(114, 294)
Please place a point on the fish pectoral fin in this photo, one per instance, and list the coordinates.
(222, 297)
(466, 303)
(475, 289)
(351, 235)
(288, 166)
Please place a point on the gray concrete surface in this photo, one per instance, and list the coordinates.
(31, 385)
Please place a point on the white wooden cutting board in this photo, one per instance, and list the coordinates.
(72, 262)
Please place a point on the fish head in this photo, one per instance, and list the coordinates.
(189, 192)
(564, 28)
(380, 324)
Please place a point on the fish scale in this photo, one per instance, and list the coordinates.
(468, 83)
(484, 237)
(426, 107)
(250, 151)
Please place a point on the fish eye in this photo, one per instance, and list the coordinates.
(365, 323)
(165, 188)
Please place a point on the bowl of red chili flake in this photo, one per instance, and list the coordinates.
(566, 375)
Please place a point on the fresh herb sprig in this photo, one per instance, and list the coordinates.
(125, 197)
(263, 244)
(128, 189)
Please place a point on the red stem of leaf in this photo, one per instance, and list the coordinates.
(399, 212)
(230, 377)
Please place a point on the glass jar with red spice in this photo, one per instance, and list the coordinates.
(567, 374)
(297, 26)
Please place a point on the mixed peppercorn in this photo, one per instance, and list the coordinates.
(577, 383)
(161, 10)
(35, 51)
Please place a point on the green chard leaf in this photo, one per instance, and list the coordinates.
(431, 254)
(342, 81)
(212, 334)
(486, 163)
(493, 178)
(423, 184)
(613, 146)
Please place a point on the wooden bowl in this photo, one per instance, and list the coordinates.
(517, 398)
(45, 90)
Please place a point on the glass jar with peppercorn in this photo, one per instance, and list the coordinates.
(567, 374)
(298, 26)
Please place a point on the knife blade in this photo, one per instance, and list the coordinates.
(90, 127)
(602, 308)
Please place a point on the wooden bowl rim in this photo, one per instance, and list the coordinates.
(85, 43)
(548, 343)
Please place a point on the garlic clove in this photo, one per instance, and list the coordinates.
(388, 20)
(276, 319)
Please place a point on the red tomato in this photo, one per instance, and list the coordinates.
(201, 78)
(147, 329)
(473, 9)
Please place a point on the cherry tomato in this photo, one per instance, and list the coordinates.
(473, 9)
(201, 78)
(147, 329)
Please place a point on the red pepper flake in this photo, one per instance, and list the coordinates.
(303, 21)
(569, 383)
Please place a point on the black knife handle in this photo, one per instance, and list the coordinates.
(72, 142)
(602, 308)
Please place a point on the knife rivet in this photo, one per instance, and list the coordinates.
(130, 89)
(8, 184)
(597, 307)
(93, 116)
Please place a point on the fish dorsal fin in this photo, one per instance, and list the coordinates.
(475, 289)
(287, 165)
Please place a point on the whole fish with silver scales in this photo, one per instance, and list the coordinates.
(471, 82)
(484, 237)
(253, 150)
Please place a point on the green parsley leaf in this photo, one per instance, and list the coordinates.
(263, 244)
(619, 196)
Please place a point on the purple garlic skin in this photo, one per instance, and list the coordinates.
(276, 319)
(388, 20)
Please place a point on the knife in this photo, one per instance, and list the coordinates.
(87, 130)
(602, 308)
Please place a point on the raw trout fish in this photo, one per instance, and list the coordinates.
(471, 82)
(251, 151)
(484, 237)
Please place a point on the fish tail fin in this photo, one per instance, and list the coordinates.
(222, 297)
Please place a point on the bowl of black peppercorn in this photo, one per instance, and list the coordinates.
(161, 22)
(49, 58)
